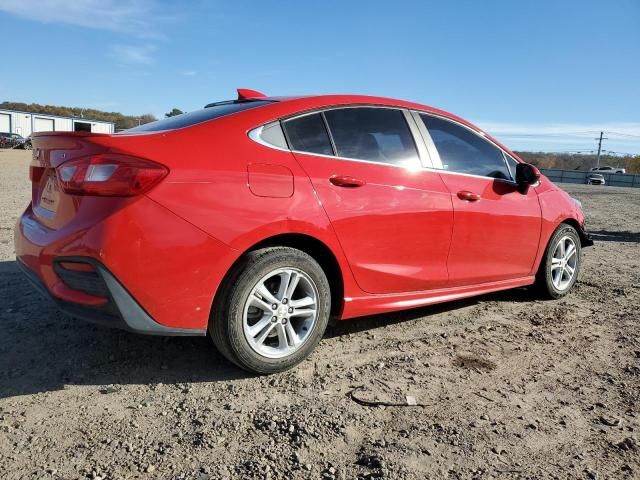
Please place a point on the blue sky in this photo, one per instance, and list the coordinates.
(536, 74)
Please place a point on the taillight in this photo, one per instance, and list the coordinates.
(111, 175)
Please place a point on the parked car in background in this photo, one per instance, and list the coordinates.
(28, 144)
(607, 169)
(11, 140)
(595, 179)
(256, 219)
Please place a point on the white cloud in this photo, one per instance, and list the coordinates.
(189, 73)
(628, 128)
(621, 137)
(135, 17)
(133, 54)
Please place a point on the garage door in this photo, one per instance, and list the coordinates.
(5, 122)
(43, 124)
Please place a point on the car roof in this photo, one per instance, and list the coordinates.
(300, 103)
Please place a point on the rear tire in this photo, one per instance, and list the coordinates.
(272, 310)
(560, 266)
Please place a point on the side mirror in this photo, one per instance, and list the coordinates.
(527, 174)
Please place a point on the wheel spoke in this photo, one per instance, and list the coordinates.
(569, 269)
(265, 333)
(571, 251)
(288, 283)
(302, 312)
(255, 301)
(293, 284)
(266, 295)
(259, 325)
(285, 278)
(303, 302)
(562, 248)
(294, 339)
(282, 336)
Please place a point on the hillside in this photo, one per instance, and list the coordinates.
(122, 121)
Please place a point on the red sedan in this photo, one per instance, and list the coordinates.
(257, 219)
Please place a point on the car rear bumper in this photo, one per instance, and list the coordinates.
(119, 311)
(152, 273)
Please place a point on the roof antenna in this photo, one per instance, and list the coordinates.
(247, 94)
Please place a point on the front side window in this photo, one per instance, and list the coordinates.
(463, 151)
(512, 163)
(308, 134)
(373, 134)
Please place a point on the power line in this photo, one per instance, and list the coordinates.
(623, 134)
(565, 134)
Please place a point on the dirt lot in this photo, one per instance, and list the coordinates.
(508, 386)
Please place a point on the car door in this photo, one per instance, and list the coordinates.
(497, 225)
(393, 219)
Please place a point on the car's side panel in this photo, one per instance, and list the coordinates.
(557, 207)
(495, 237)
(395, 228)
(215, 192)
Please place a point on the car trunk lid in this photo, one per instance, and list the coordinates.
(51, 205)
(72, 170)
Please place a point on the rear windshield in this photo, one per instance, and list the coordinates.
(197, 116)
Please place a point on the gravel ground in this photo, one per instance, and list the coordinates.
(507, 386)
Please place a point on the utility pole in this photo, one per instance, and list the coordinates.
(600, 147)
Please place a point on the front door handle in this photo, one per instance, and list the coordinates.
(346, 181)
(469, 196)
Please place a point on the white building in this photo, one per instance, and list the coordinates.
(26, 123)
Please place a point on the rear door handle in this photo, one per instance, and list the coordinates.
(346, 181)
(469, 196)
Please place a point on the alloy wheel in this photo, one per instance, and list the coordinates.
(564, 262)
(280, 312)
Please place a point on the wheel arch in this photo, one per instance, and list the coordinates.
(311, 246)
(584, 240)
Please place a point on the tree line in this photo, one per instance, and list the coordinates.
(121, 121)
(568, 161)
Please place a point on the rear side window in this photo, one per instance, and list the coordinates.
(198, 116)
(373, 134)
(272, 134)
(463, 151)
(308, 134)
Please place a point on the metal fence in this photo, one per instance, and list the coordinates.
(580, 176)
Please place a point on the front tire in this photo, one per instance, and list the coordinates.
(272, 310)
(561, 264)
